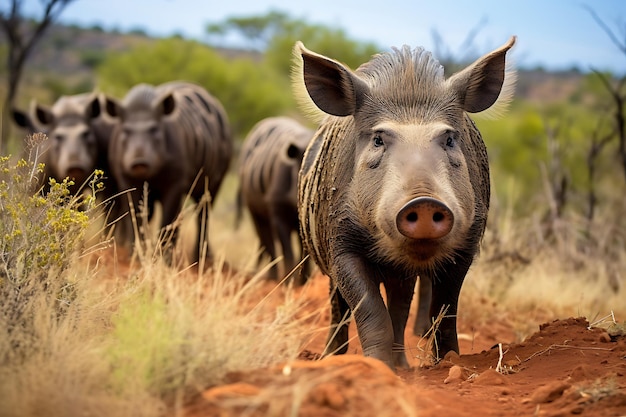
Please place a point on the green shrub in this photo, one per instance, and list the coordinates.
(39, 237)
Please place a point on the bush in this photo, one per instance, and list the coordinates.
(39, 237)
(248, 90)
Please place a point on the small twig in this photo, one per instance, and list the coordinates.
(499, 365)
(599, 321)
(541, 352)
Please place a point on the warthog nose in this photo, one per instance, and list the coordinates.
(424, 218)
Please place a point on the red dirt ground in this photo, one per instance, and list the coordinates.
(565, 368)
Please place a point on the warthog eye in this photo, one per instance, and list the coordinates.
(450, 142)
(378, 141)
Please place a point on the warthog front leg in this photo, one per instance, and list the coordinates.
(363, 297)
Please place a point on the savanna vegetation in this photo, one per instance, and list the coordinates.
(84, 334)
(78, 335)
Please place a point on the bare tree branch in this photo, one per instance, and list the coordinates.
(466, 52)
(597, 145)
(615, 90)
(620, 45)
(22, 39)
(619, 101)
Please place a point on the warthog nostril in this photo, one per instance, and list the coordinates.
(424, 218)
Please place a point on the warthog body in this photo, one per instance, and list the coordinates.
(395, 185)
(78, 138)
(176, 138)
(268, 173)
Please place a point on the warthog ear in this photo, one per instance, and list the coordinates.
(113, 107)
(294, 152)
(165, 105)
(332, 86)
(93, 109)
(479, 85)
(22, 119)
(43, 115)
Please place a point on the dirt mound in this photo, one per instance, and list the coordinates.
(566, 368)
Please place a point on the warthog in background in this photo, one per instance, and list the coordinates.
(78, 139)
(395, 185)
(269, 163)
(176, 138)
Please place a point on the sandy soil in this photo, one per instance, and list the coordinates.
(564, 368)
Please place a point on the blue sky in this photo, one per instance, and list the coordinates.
(556, 34)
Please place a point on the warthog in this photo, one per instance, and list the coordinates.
(395, 185)
(268, 176)
(78, 137)
(176, 138)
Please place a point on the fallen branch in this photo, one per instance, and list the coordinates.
(541, 352)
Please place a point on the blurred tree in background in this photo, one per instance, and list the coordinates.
(539, 147)
(249, 90)
(276, 33)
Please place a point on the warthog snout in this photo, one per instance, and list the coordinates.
(424, 218)
(78, 174)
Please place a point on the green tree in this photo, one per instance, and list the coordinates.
(248, 90)
(257, 30)
(334, 43)
(276, 33)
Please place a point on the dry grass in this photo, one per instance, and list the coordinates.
(426, 352)
(129, 341)
(240, 246)
(146, 342)
(531, 268)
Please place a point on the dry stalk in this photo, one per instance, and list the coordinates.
(504, 369)
(345, 320)
(603, 320)
(499, 365)
(426, 356)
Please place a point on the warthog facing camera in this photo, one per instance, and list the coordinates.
(176, 138)
(78, 139)
(395, 185)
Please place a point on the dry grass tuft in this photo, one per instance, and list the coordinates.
(541, 268)
(426, 350)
